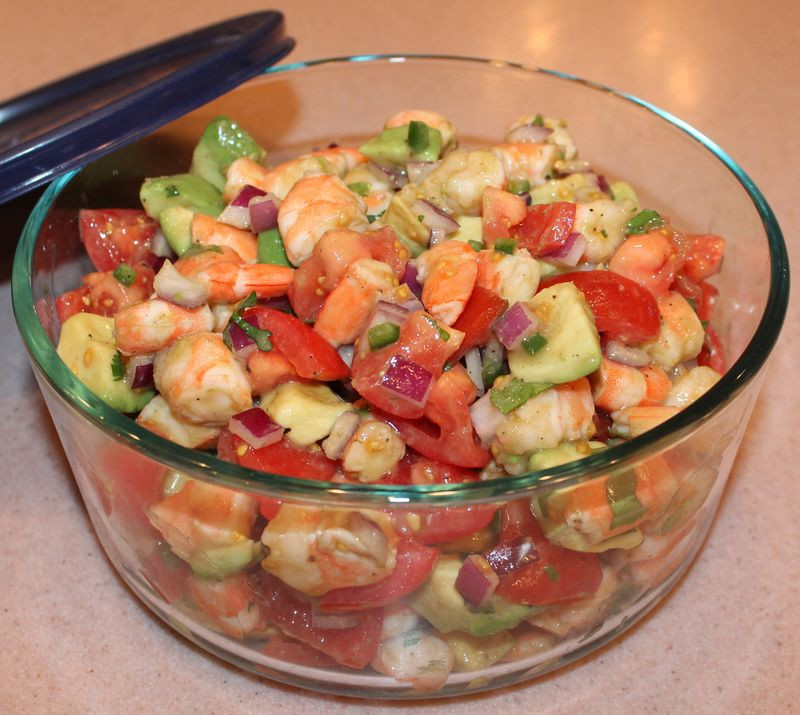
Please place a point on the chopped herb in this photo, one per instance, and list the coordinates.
(447, 367)
(551, 572)
(644, 222)
(518, 186)
(383, 334)
(538, 121)
(125, 274)
(704, 323)
(418, 136)
(693, 303)
(261, 337)
(359, 187)
(534, 343)
(604, 233)
(371, 217)
(515, 394)
(270, 248)
(172, 190)
(411, 639)
(420, 218)
(505, 245)
(117, 367)
(475, 245)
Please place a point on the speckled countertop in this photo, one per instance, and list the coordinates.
(727, 640)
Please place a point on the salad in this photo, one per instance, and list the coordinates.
(404, 312)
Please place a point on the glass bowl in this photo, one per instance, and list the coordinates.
(448, 647)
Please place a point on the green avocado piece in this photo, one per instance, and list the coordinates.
(470, 229)
(392, 146)
(622, 190)
(439, 603)
(406, 224)
(176, 225)
(565, 452)
(573, 345)
(223, 561)
(87, 347)
(222, 142)
(561, 189)
(187, 190)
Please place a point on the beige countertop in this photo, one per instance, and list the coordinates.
(726, 640)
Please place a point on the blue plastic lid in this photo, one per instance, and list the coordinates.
(67, 124)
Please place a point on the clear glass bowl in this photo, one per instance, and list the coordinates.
(121, 468)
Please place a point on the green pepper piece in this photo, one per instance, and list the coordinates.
(383, 334)
(270, 248)
(518, 186)
(476, 246)
(644, 222)
(515, 394)
(491, 370)
(621, 495)
(538, 121)
(534, 343)
(505, 245)
(261, 337)
(359, 187)
(418, 136)
(125, 274)
(117, 367)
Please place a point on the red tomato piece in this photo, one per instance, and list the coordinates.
(702, 294)
(546, 227)
(414, 562)
(622, 308)
(107, 295)
(501, 212)
(384, 246)
(72, 302)
(420, 342)
(168, 579)
(712, 354)
(290, 650)
(310, 354)
(113, 236)
(352, 647)
(703, 256)
(482, 309)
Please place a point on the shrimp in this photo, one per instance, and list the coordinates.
(347, 308)
(229, 278)
(657, 385)
(561, 414)
(315, 550)
(417, 657)
(691, 386)
(380, 189)
(208, 232)
(602, 224)
(201, 380)
(651, 259)
(633, 421)
(373, 450)
(230, 604)
(281, 179)
(154, 324)
(514, 277)
(313, 206)
(681, 334)
(615, 386)
(161, 420)
(448, 272)
(433, 119)
(527, 161)
(558, 133)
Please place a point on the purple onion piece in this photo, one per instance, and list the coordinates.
(603, 185)
(388, 313)
(343, 429)
(263, 214)
(409, 380)
(512, 555)
(618, 352)
(529, 133)
(395, 176)
(139, 372)
(255, 427)
(437, 220)
(516, 324)
(418, 171)
(476, 580)
(410, 279)
(246, 193)
(236, 216)
(280, 302)
(241, 344)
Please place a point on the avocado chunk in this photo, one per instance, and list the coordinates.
(470, 230)
(622, 190)
(223, 141)
(392, 146)
(565, 189)
(406, 224)
(472, 653)
(573, 345)
(176, 225)
(565, 452)
(187, 190)
(87, 347)
(439, 603)
(223, 561)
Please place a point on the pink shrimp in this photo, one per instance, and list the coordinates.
(652, 259)
(514, 277)
(615, 386)
(151, 325)
(208, 232)
(448, 272)
(528, 161)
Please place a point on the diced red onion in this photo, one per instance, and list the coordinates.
(263, 213)
(280, 302)
(437, 220)
(512, 555)
(341, 432)
(159, 245)
(574, 166)
(409, 380)
(476, 580)
(242, 345)
(529, 133)
(171, 285)
(346, 352)
(515, 324)
(486, 418)
(255, 427)
(412, 305)
(472, 360)
(395, 176)
(388, 313)
(570, 253)
(139, 372)
(333, 621)
(603, 185)
(418, 171)
(236, 216)
(618, 352)
(410, 279)
(369, 535)
(246, 194)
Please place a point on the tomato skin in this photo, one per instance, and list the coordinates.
(352, 647)
(546, 227)
(703, 256)
(113, 236)
(712, 354)
(501, 211)
(482, 309)
(310, 354)
(622, 308)
(290, 650)
(703, 294)
(71, 302)
(414, 562)
(384, 246)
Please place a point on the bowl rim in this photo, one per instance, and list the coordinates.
(208, 467)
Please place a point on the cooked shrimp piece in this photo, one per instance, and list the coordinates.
(229, 278)
(208, 232)
(448, 273)
(418, 658)
(658, 385)
(650, 259)
(602, 223)
(373, 450)
(161, 420)
(281, 179)
(691, 386)
(527, 161)
(268, 370)
(315, 550)
(561, 414)
(231, 604)
(514, 277)
(347, 308)
(154, 324)
(380, 189)
(313, 206)
(633, 421)
(615, 386)
(433, 119)
(681, 334)
(202, 381)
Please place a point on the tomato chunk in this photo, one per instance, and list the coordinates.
(482, 309)
(703, 256)
(546, 227)
(622, 308)
(113, 236)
